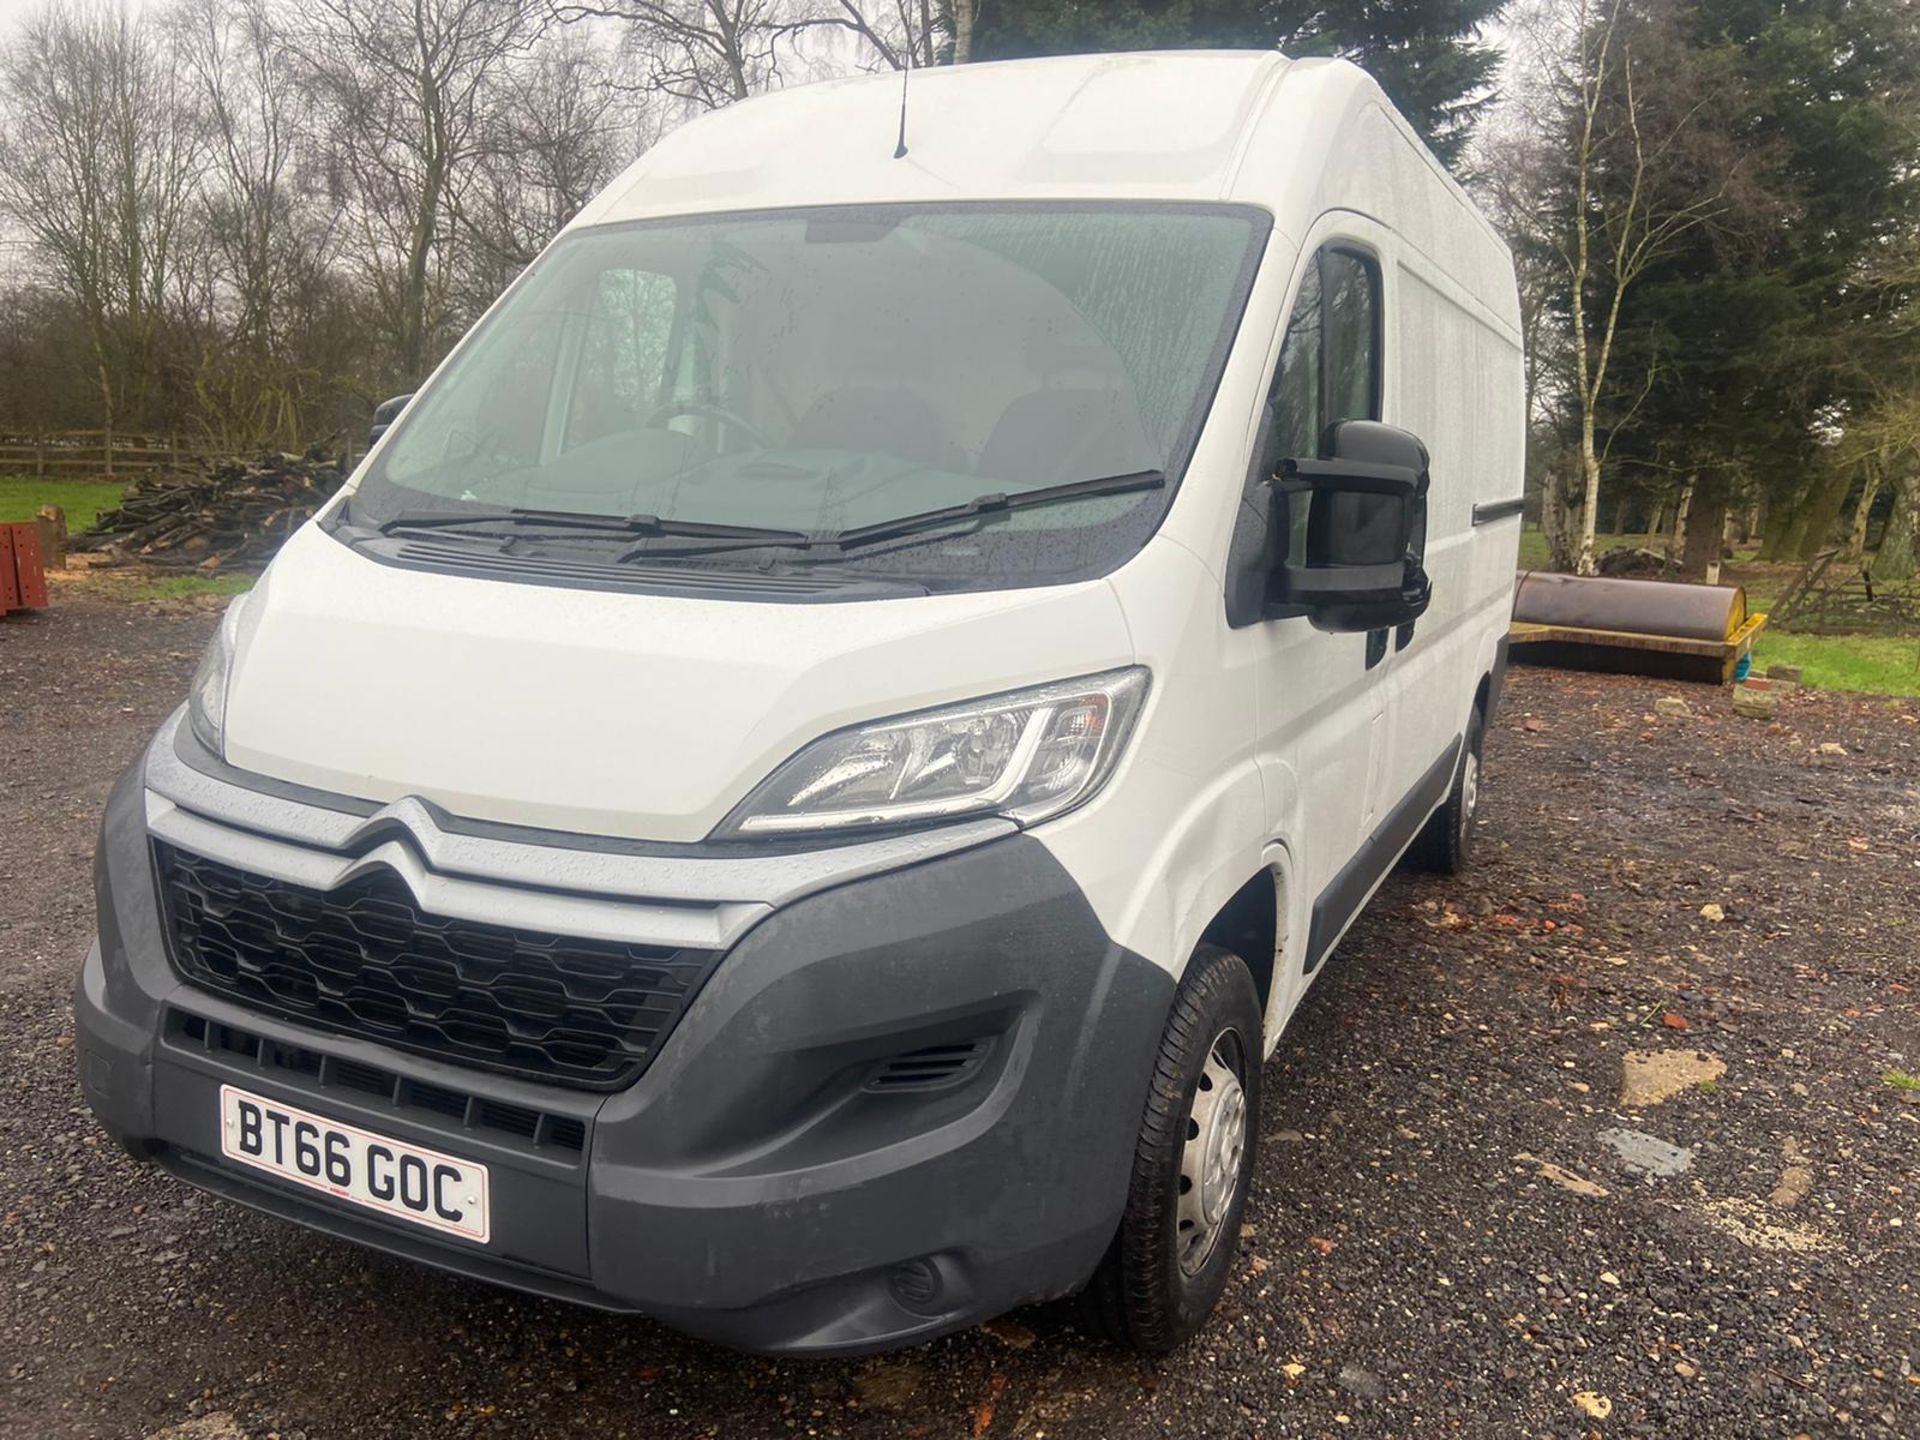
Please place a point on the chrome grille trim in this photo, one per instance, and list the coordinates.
(663, 882)
(684, 926)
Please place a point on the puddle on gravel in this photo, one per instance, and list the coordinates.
(1647, 1154)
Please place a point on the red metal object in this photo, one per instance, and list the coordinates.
(23, 575)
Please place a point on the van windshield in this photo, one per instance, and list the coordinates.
(820, 372)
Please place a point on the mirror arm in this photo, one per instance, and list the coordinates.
(1364, 476)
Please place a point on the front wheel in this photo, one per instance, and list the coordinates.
(1192, 1163)
(1446, 844)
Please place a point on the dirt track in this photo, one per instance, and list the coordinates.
(1442, 1241)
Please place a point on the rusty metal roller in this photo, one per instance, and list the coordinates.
(1637, 607)
(1648, 627)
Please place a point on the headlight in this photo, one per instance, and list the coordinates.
(1027, 755)
(207, 699)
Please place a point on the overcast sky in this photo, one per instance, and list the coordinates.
(11, 11)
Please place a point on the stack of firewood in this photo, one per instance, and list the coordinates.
(232, 515)
(1627, 562)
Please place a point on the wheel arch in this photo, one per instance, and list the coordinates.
(1249, 925)
(1260, 922)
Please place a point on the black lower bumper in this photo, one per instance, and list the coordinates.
(897, 1108)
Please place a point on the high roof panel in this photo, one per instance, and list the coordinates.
(1152, 126)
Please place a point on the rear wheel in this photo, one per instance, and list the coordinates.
(1446, 844)
(1180, 1230)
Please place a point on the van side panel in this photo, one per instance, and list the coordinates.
(1459, 390)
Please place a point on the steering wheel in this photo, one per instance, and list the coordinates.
(673, 409)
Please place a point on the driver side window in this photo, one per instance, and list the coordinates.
(623, 355)
(1330, 360)
(1329, 366)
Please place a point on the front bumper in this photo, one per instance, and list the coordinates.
(790, 1173)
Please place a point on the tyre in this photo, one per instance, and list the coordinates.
(1446, 844)
(1192, 1164)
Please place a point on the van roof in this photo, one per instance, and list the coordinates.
(1165, 126)
(1296, 137)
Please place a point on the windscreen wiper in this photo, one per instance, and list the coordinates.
(981, 505)
(751, 537)
(620, 525)
(996, 503)
(447, 519)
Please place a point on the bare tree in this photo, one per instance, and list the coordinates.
(242, 74)
(253, 385)
(98, 163)
(410, 85)
(710, 53)
(559, 132)
(703, 53)
(906, 34)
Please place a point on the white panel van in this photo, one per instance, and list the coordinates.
(797, 785)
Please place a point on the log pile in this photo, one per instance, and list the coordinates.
(230, 515)
(1626, 562)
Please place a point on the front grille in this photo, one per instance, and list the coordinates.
(365, 960)
(314, 1072)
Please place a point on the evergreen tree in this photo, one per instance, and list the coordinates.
(1751, 346)
(1427, 54)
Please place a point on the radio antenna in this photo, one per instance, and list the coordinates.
(900, 149)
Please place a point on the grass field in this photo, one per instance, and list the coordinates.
(1877, 664)
(182, 587)
(21, 497)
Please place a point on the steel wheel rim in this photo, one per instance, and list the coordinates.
(1469, 790)
(1214, 1156)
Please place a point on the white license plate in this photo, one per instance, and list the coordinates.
(386, 1175)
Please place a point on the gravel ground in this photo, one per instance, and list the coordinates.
(1448, 1235)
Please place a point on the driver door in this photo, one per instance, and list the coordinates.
(1324, 700)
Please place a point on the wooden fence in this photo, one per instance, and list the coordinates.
(1836, 596)
(83, 454)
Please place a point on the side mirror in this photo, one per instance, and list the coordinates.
(384, 414)
(1353, 530)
